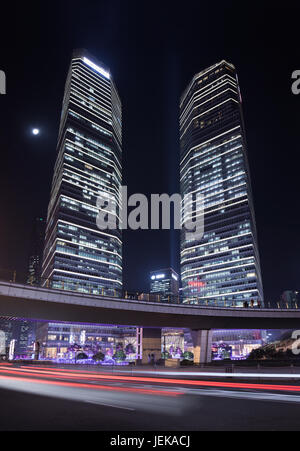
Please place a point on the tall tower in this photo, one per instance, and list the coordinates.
(77, 255)
(36, 252)
(223, 267)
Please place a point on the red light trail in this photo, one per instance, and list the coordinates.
(71, 374)
(42, 375)
(97, 387)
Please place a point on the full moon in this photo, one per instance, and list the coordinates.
(35, 131)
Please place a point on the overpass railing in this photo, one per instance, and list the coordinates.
(86, 287)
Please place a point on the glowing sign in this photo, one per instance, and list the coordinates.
(2, 82)
(2, 342)
(196, 283)
(82, 337)
(158, 276)
(98, 69)
(12, 346)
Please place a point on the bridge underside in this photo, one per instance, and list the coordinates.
(136, 315)
(23, 301)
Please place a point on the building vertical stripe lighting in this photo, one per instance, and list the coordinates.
(223, 267)
(77, 255)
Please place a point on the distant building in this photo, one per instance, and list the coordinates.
(290, 298)
(63, 340)
(236, 344)
(36, 252)
(223, 267)
(23, 332)
(165, 284)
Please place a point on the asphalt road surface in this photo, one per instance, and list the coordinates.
(48, 399)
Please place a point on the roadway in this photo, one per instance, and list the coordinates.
(55, 398)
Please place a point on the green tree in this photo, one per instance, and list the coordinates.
(165, 355)
(120, 355)
(99, 357)
(82, 356)
(187, 355)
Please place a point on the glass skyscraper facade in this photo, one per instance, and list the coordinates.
(77, 255)
(223, 267)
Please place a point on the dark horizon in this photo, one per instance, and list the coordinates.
(152, 54)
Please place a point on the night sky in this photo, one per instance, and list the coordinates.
(153, 48)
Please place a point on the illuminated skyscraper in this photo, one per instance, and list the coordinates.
(223, 267)
(77, 255)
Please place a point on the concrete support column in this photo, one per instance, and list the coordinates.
(37, 350)
(151, 345)
(139, 344)
(202, 341)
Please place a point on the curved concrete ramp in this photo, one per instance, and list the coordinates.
(29, 302)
